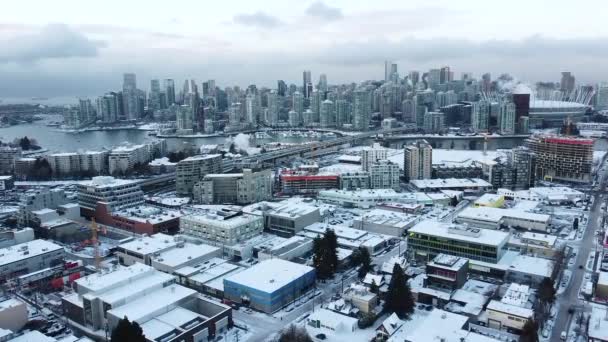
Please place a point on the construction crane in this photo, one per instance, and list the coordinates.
(95, 243)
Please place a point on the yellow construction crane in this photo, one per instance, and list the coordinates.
(95, 243)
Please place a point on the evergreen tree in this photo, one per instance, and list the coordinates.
(294, 334)
(126, 331)
(373, 287)
(25, 143)
(331, 245)
(454, 201)
(325, 258)
(399, 297)
(365, 261)
(529, 333)
(575, 223)
(546, 292)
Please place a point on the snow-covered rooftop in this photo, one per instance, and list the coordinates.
(104, 280)
(152, 302)
(531, 265)
(177, 256)
(448, 183)
(270, 275)
(497, 214)
(26, 250)
(150, 244)
(443, 230)
(510, 309)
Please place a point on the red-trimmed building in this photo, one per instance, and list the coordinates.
(141, 219)
(562, 158)
(305, 182)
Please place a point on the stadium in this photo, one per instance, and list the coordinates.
(552, 113)
(550, 108)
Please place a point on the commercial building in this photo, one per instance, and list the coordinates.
(434, 122)
(460, 184)
(429, 238)
(490, 200)
(13, 315)
(224, 227)
(350, 238)
(29, 257)
(140, 219)
(164, 310)
(305, 182)
(288, 217)
(597, 329)
(418, 159)
(447, 272)
(503, 315)
(553, 195)
(495, 218)
(234, 188)
(384, 175)
(270, 284)
(164, 252)
(331, 322)
(115, 194)
(562, 158)
(208, 276)
(192, 170)
(385, 222)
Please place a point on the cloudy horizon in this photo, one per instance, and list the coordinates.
(48, 52)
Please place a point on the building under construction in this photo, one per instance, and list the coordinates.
(562, 158)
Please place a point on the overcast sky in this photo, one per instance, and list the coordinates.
(81, 48)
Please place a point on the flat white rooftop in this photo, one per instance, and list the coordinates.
(177, 256)
(510, 309)
(153, 302)
(496, 214)
(100, 281)
(150, 244)
(270, 275)
(26, 250)
(388, 218)
(488, 237)
(341, 231)
(153, 279)
(598, 325)
(531, 265)
(449, 183)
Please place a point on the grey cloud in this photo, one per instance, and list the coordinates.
(257, 19)
(53, 41)
(420, 50)
(321, 10)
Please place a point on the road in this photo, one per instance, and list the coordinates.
(570, 296)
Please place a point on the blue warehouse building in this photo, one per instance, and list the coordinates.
(269, 285)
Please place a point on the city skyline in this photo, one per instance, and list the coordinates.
(46, 53)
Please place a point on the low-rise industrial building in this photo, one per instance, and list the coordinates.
(224, 226)
(29, 257)
(385, 222)
(429, 238)
(164, 310)
(490, 200)
(270, 284)
(461, 184)
(496, 218)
